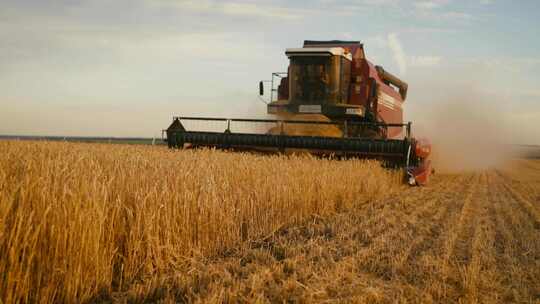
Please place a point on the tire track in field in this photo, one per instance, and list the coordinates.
(377, 219)
(410, 202)
(446, 243)
(504, 239)
(525, 180)
(458, 245)
(457, 249)
(426, 263)
(516, 244)
(467, 255)
(378, 258)
(437, 225)
(480, 278)
(524, 204)
(389, 253)
(450, 246)
(522, 220)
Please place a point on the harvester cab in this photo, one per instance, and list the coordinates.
(317, 82)
(334, 80)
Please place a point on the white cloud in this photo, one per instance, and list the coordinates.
(254, 10)
(276, 10)
(457, 16)
(397, 52)
(234, 8)
(428, 5)
(380, 44)
(506, 64)
(427, 30)
(347, 35)
(380, 2)
(438, 9)
(424, 61)
(198, 5)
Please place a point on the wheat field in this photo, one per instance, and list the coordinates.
(119, 223)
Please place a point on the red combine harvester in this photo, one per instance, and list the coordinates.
(333, 80)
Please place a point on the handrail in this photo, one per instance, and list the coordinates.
(272, 89)
(357, 123)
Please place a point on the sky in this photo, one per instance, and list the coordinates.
(125, 67)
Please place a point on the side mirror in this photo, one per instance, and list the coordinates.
(261, 88)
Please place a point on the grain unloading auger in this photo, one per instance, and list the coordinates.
(361, 105)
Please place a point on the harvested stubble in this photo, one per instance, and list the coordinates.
(89, 222)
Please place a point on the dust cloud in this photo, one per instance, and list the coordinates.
(468, 132)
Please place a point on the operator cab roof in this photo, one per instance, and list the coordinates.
(319, 51)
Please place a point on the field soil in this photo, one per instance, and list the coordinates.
(98, 223)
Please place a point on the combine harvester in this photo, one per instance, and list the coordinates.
(329, 79)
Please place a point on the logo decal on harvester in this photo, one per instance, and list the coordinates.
(353, 111)
(388, 101)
